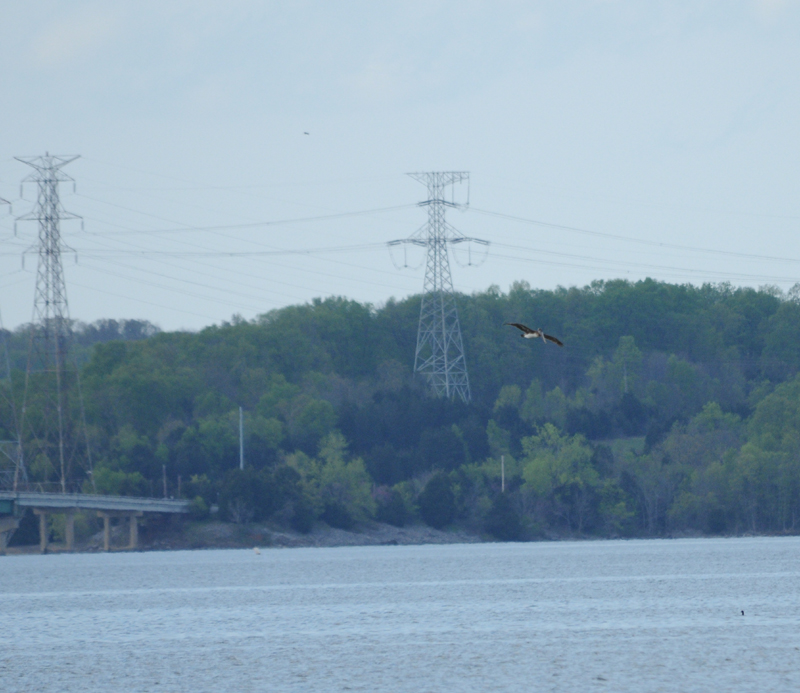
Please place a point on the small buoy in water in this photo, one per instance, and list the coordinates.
(258, 553)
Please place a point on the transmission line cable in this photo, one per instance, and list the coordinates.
(630, 239)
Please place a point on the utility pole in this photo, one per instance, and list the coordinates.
(439, 355)
(49, 378)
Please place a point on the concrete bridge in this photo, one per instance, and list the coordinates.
(14, 503)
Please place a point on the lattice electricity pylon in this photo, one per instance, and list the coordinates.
(439, 354)
(52, 398)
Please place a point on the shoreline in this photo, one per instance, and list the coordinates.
(187, 536)
(223, 535)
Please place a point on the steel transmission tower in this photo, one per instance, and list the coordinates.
(52, 389)
(439, 354)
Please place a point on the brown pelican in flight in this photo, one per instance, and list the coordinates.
(528, 333)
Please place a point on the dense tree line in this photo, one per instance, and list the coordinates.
(671, 408)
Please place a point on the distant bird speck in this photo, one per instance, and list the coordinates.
(305, 133)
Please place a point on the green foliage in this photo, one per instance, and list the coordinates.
(245, 496)
(554, 460)
(557, 470)
(302, 516)
(614, 509)
(437, 501)
(344, 485)
(768, 465)
(705, 376)
(502, 521)
(510, 396)
(198, 509)
(442, 448)
(391, 508)
(309, 420)
(337, 515)
(118, 483)
(200, 485)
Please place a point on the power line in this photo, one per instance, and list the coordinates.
(248, 225)
(306, 251)
(224, 253)
(217, 268)
(142, 300)
(684, 271)
(630, 239)
(192, 258)
(185, 292)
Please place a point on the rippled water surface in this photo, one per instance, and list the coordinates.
(571, 616)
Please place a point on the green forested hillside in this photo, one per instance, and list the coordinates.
(671, 408)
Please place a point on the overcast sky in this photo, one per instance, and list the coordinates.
(667, 130)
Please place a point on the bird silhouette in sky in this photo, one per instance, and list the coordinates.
(528, 333)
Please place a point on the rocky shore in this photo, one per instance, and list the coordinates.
(183, 535)
(225, 535)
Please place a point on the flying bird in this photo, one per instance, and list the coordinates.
(528, 333)
(305, 133)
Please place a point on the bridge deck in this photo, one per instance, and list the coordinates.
(86, 501)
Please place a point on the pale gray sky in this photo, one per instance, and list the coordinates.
(659, 122)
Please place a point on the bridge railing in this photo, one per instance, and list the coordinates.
(56, 502)
(7, 484)
(40, 486)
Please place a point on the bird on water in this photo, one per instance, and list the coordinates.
(528, 333)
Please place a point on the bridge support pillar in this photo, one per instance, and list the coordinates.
(69, 531)
(106, 530)
(134, 542)
(132, 516)
(42, 529)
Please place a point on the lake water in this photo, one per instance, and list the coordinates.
(662, 615)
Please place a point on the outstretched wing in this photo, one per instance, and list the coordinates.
(554, 340)
(520, 326)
